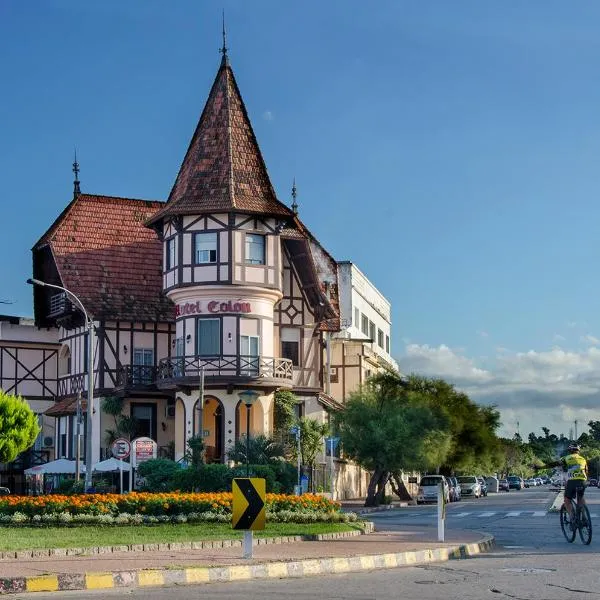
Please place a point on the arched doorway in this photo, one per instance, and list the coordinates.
(212, 429)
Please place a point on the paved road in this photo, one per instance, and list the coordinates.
(531, 562)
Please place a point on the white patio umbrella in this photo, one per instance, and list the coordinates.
(112, 464)
(55, 467)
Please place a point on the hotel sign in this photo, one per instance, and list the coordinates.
(211, 307)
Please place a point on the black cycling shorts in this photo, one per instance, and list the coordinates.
(575, 487)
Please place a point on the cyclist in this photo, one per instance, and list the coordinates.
(576, 468)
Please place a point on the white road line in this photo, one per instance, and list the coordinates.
(514, 514)
(593, 515)
(486, 514)
(539, 513)
(462, 514)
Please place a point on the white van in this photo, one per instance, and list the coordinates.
(428, 488)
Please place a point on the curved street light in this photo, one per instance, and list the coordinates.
(90, 368)
(248, 397)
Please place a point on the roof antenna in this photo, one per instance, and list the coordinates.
(223, 50)
(76, 188)
(294, 194)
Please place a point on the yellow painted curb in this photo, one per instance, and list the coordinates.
(367, 562)
(151, 577)
(311, 567)
(98, 581)
(47, 583)
(340, 565)
(390, 560)
(197, 575)
(277, 570)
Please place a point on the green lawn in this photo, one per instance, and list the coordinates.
(26, 538)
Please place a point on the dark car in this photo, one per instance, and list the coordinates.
(4, 491)
(515, 482)
(503, 485)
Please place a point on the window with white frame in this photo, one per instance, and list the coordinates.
(209, 337)
(356, 318)
(387, 344)
(205, 247)
(171, 261)
(365, 325)
(372, 330)
(380, 338)
(290, 344)
(255, 249)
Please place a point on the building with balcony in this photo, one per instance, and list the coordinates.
(221, 288)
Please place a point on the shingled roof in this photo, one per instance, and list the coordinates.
(109, 259)
(223, 169)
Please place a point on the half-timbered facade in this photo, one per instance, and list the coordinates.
(29, 368)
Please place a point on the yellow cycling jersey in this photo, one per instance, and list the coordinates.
(575, 466)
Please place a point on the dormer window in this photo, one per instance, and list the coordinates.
(206, 248)
(255, 249)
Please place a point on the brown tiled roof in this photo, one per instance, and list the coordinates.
(68, 406)
(109, 259)
(223, 169)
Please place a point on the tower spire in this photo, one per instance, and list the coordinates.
(223, 50)
(76, 188)
(294, 194)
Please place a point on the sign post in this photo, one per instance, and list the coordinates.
(332, 442)
(441, 511)
(121, 448)
(248, 510)
(143, 449)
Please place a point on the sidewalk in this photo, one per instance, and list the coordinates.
(186, 564)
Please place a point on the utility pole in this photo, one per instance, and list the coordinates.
(576, 437)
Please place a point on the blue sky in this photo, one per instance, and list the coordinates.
(449, 149)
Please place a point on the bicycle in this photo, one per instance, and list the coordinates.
(581, 523)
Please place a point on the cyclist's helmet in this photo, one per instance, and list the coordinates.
(573, 447)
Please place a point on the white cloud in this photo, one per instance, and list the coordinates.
(483, 334)
(268, 115)
(589, 339)
(549, 388)
(558, 338)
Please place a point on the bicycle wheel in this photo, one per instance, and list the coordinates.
(585, 525)
(565, 524)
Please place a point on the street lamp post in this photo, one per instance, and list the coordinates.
(90, 378)
(248, 397)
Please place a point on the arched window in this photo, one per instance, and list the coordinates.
(64, 361)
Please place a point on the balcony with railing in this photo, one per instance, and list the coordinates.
(136, 377)
(260, 371)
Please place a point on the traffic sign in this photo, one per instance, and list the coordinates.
(248, 503)
(121, 448)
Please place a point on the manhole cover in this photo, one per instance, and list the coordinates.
(527, 570)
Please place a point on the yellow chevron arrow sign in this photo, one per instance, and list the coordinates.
(248, 503)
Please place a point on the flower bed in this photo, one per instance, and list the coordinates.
(139, 508)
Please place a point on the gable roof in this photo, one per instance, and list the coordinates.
(223, 169)
(109, 259)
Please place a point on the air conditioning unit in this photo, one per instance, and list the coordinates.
(48, 442)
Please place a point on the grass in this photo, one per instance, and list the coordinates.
(29, 538)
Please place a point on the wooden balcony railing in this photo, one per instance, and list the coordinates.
(136, 376)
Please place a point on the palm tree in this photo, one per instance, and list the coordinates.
(263, 450)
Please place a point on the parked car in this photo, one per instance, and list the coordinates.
(483, 485)
(515, 482)
(454, 489)
(4, 491)
(428, 488)
(593, 482)
(469, 486)
(503, 485)
(530, 482)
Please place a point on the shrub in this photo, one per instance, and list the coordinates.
(159, 474)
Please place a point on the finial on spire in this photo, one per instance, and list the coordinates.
(294, 194)
(76, 188)
(223, 50)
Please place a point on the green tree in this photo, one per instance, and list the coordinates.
(18, 427)
(311, 440)
(125, 426)
(385, 430)
(283, 419)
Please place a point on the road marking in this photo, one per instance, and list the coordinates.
(486, 514)
(463, 514)
(514, 514)
(539, 513)
(515, 547)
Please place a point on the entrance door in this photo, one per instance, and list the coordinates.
(249, 354)
(145, 416)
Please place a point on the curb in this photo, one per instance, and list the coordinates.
(381, 508)
(280, 569)
(368, 527)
